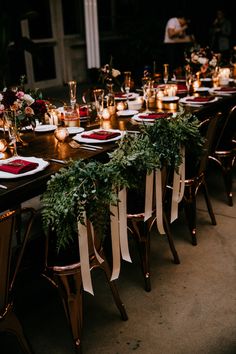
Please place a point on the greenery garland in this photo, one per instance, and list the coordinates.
(91, 187)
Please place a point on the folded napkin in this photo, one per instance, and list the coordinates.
(122, 95)
(200, 99)
(101, 135)
(83, 111)
(154, 115)
(181, 87)
(226, 88)
(18, 166)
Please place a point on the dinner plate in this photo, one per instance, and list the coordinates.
(131, 96)
(169, 98)
(137, 118)
(185, 101)
(75, 130)
(45, 128)
(127, 112)
(202, 89)
(222, 92)
(206, 79)
(80, 139)
(42, 164)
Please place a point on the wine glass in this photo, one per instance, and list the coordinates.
(99, 103)
(166, 73)
(189, 78)
(72, 92)
(148, 93)
(127, 83)
(11, 126)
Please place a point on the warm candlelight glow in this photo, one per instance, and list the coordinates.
(106, 114)
(120, 106)
(224, 74)
(3, 145)
(196, 85)
(61, 133)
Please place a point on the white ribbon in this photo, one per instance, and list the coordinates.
(84, 256)
(148, 196)
(115, 242)
(159, 202)
(178, 187)
(122, 206)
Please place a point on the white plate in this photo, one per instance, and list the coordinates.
(202, 89)
(206, 79)
(42, 165)
(127, 112)
(131, 96)
(221, 92)
(80, 139)
(185, 101)
(137, 118)
(45, 128)
(169, 98)
(75, 130)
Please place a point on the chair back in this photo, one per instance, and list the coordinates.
(226, 131)
(7, 222)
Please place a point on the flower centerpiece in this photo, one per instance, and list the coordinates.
(108, 75)
(201, 61)
(27, 106)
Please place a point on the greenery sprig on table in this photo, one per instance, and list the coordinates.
(91, 187)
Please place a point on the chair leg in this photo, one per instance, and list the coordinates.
(105, 266)
(190, 211)
(170, 240)
(208, 203)
(70, 288)
(11, 324)
(142, 236)
(227, 164)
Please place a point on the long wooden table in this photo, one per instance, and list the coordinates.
(45, 145)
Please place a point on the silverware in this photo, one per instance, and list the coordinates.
(3, 187)
(93, 146)
(57, 161)
(88, 148)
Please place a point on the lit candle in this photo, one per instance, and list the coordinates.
(120, 106)
(61, 133)
(3, 145)
(106, 114)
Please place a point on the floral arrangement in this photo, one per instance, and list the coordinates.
(108, 74)
(201, 60)
(28, 106)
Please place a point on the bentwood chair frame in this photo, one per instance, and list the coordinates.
(141, 230)
(10, 262)
(197, 181)
(224, 152)
(68, 280)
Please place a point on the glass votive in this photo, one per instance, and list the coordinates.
(61, 133)
(120, 106)
(71, 116)
(3, 145)
(106, 114)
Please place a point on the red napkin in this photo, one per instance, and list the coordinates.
(122, 95)
(226, 89)
(181, 87)
(18, 166)
(83, 111)
(100, 135)
(154, 115)
(200, 99)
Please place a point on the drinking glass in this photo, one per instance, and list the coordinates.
(99, 103)
(72, 92)
(148, 93)
(127, 83)
(11, 126)
(189, 78)
(166, 73)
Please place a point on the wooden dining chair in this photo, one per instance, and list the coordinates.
(195, 178)
(224, 150)
(63, 270)
(10, 262)
(141, 230)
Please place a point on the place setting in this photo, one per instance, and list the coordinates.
(198, 100)
(18, 166)
(150, 117)
(99, 136)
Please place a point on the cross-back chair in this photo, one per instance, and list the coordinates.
(224, 151)
(10, 262)
(141, 229)
(195, 178)
(63, 270)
